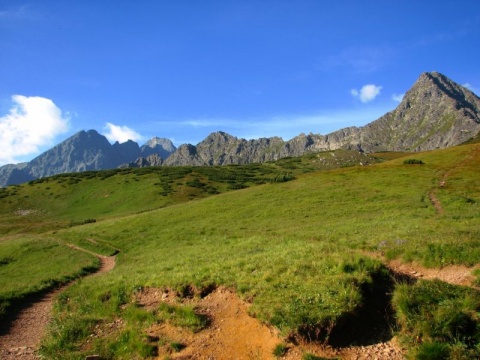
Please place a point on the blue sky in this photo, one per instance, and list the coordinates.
(183, 69)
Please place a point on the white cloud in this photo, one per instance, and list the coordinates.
(32, 123)
(398, 97)
(120, 133)
(367, 93)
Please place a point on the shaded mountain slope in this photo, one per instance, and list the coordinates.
(86, 150)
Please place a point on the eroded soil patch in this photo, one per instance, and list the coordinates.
(452, 274)
(233, 334)
(230, 334)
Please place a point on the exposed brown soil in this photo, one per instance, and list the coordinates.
(20, 339)
(233, 334)
(26, 331)
(452, 274)
(436, 203)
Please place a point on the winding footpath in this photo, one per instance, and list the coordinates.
(25, 333)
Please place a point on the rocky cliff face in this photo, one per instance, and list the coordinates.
(160, 146)
(86, 150)
(435, 113)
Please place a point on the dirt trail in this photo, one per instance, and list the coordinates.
(452, 274)
(22, 339)
(436, 203)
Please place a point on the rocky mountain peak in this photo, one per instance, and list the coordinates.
(164, 143)
(218, 137)
(160, 146)
(431, 86)
(435, 113)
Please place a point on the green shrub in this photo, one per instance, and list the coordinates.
(280, 350)
(413, 162)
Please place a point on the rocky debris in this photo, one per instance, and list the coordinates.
(150, 160)
(24, 212)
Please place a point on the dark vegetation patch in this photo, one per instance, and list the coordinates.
(413, 162)
(373, 321)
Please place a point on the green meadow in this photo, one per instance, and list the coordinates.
(296, 237)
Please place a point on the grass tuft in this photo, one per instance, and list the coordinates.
(280, 350)
(183, 316)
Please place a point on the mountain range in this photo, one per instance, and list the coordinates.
(435, 113)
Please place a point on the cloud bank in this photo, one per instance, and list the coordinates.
(120, 133)
(367, 93)
(32, 123)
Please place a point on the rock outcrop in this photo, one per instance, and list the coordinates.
(435, 113)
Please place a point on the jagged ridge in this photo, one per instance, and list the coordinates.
(435, 113)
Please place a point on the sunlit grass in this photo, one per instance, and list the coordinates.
(298, 250)
(30, 264)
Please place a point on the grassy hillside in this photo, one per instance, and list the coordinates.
(77, 198)
(69, 200)
(297, 249)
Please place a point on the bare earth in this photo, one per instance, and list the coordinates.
(233, 334)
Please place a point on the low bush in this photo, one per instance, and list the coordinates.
(413, 162)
